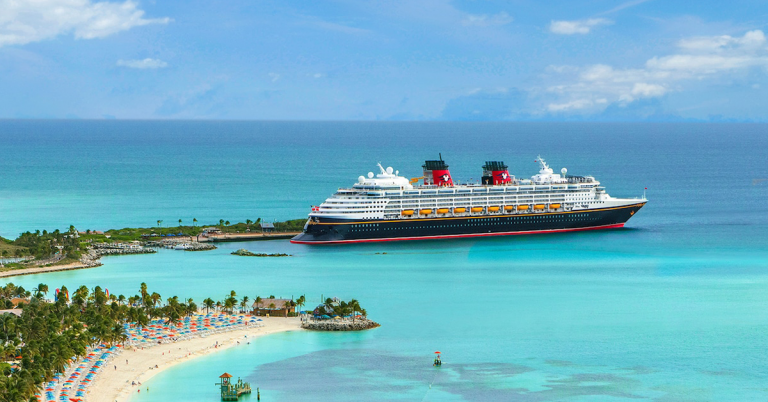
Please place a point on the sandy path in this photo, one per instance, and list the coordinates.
(115, 385)
(39, 270)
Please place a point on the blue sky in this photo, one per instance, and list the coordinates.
(385, 60)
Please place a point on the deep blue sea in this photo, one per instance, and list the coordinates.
(674, 307)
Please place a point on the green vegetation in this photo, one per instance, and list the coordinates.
(48, 334)
(45, 244)
(130, 234)
(8, 249)
(340, 308)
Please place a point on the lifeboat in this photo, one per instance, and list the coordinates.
(509, 207)
(442, 210)
(539, 207)
(407, 212)
(554, 206)
(477, 209)
(493, 209)
(522, 207)
(425, 211)
(459, 210)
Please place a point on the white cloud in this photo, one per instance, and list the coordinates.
(572, 105)
(750, 40)
(699, 58)
(274, 76)
(643, 89)
(142, 64)
(23, 22)
(577, 27)
(317, 75)
(485, 20)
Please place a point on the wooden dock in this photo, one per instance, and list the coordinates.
(231, 392)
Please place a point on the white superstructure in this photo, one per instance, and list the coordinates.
(389, 196)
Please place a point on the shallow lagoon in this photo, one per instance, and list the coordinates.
(528, 317)
(671, 308)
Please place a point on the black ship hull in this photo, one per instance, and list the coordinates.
(330, 231)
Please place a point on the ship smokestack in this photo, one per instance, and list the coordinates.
(495, 173)
(437, 173)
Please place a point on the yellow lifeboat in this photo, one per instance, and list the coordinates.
(509, 207)
(459, 210)
(522, 207)
(407, 212)
(539, 207)
(425, 211)
(442, 210)
(477, 209)
(554, 206)
(493, 209)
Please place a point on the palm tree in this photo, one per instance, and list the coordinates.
(258, 301)
(300, 301)
(194, 221)
(209, 304)
(248, 224)
(179, 222)
(226, 223)
(287, 306)
(221, 222)
(42, 288)
(355, 306)
(229, 304)
(244, 303)
(160, 223)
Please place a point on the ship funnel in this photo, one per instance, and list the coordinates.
(437, 173)
(495, 173)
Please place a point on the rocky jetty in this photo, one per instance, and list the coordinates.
(340, 325)
(102, 249)
(195, 246)
(246, 253)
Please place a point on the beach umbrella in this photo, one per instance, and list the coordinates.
(437, 353)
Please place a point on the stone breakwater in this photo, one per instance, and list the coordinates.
(195, 246)
(246, 253)
(340, 325)
(99, 250)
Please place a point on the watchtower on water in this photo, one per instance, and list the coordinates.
(230, 391)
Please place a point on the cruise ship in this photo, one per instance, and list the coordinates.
(388, 207)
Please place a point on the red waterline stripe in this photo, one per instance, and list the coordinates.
(614, 226)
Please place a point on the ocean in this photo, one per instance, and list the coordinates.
(674, 307)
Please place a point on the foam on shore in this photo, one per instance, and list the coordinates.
(114, 384)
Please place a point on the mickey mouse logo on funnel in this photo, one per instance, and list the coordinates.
(436, 173)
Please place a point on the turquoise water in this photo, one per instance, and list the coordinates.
(672, 308)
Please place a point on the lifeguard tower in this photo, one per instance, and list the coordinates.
(231, 392)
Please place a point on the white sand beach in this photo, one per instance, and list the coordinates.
(115, 384)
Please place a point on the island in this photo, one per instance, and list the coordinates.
(56, 347)
(44, 251)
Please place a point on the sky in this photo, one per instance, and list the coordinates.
(601, 60)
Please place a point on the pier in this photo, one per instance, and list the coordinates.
(247, 236)
(231, 392)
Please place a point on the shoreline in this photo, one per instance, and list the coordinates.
(111, 384)
(41, 270)
(94, 263)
